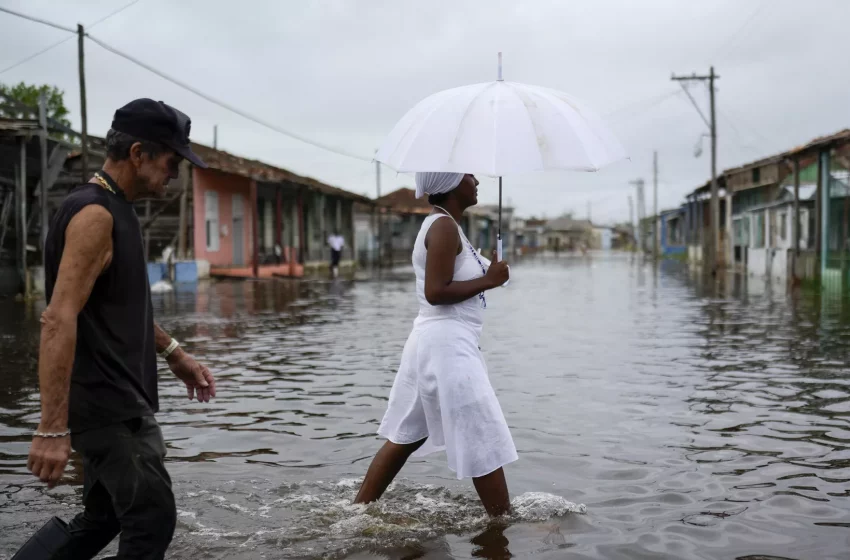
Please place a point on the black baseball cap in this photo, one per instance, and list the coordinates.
(155, 121)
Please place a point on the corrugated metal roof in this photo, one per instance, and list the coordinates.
(821, 142)
(261, 171)
(566, 223)
(404, 201)
(18, 125)
(815, 144)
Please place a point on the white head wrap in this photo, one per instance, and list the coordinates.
(436, 183)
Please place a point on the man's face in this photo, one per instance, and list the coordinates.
(154, 173)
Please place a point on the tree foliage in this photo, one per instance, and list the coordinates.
(27, 94)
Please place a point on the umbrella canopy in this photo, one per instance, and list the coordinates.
(499, 128)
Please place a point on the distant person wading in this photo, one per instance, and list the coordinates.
(336, 243)
(97, 366)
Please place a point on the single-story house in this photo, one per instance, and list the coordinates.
(254, 219)
(568, 234)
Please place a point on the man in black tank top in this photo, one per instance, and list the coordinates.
(97, 360)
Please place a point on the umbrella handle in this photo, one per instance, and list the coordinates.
(499, 249)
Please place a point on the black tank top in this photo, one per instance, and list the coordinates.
(114, 375)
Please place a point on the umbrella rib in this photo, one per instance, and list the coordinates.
(545, 95)
(466, 113)
(416, 122)
(522, 100)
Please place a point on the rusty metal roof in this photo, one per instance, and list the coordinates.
(821, 142)
(404, 201)
(815, 144)
(260, 171)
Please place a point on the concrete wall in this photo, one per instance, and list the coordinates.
(695, 253)
(226, 185)
(757, 262)
(768, 263)
(779, 264)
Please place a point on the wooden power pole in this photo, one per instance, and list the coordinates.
(84, 157)
(655, 218)
(713, 239)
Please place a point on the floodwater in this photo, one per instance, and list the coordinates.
(692, 421)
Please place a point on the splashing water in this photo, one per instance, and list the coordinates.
(319, 520)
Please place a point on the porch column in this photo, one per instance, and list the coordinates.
(255, 230)
(278, 220)
(321, 210)
(730, 243)
(301, 244)
(823, 230)
(21, 214)
(795, 217)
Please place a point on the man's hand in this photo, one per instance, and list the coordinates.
(48, 458)
(196, 377)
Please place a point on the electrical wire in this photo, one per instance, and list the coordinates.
(731, 39)
(181, 84)
(65, 40)
(650, 103)
(226, 106)
(38, 20)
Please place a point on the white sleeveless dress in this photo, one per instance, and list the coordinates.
(442, 390)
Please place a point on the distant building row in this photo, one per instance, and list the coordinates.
(784, 217)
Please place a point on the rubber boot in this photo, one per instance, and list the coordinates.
(47, 543)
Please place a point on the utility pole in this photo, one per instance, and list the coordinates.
(655, 218)
(84, 158)
(215, 137)
(632, 217)
(641, 212)
(42, 137)
(590, 211)
(714, 238)
(380, 214)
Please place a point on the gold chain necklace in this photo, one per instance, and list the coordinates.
(103, 183)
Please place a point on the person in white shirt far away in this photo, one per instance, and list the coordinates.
(336, 242)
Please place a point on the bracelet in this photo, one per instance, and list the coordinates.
(171, 348)
(66, 433)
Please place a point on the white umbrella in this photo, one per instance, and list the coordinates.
(499, 128)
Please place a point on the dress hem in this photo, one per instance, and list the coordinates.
(396, 440)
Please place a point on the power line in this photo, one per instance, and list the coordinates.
(753, 130)
(650, 103)
(224, 105)
(731, 39)
(695, 104)
(743, 142)
(191, 89)
(115, 13)
(36, 54)
(63, 41)
(38, 20)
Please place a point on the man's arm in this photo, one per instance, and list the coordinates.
(161, 338)
(88, 251)
(196, 377)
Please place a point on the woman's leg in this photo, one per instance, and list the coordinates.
(384, 468)
(493, 490)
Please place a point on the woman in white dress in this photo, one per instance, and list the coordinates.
(442, 398)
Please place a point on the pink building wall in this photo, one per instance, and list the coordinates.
(226, 185)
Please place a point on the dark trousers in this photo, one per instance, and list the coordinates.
(126, 490)
(335, 257)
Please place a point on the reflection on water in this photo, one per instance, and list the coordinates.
(694, 419)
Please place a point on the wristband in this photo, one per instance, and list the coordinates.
(52, 434)
(171, 348)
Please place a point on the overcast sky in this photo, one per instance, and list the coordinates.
(343, 72)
